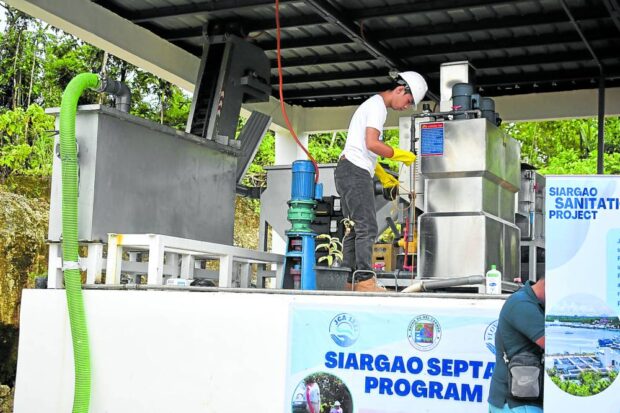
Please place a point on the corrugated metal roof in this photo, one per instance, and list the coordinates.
(335, 52)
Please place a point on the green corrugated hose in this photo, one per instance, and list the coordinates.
(73, 282)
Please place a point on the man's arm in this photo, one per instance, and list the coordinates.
(541, 342)
(374, 145)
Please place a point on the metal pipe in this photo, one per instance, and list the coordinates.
(601, 126)
(119, 90)
(427, 285)
(286, 292)
(449, 114)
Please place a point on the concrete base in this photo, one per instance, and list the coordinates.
(180, 351)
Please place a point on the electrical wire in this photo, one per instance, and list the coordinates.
(282, 107)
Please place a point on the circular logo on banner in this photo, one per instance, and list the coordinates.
(424, 332)
(489, 336)
(344, 330)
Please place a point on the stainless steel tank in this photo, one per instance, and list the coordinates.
(472, 173)
(137, 176)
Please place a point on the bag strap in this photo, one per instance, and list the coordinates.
(501, 340)
(505, 355)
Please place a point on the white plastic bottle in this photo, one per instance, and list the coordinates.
(493, 281)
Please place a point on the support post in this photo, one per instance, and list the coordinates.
(156, 261)
(94, 264)
(187, 266)
(114, 260)
(600, 169)
(54, 267)
(133, 257)
(226, 270)
(244, 275)
(172, 262)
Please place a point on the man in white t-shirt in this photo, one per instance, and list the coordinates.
(357, 166)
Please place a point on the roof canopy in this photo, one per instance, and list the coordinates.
(337, 52)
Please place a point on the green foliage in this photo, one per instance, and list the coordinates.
(567, 146)
(569, 162)
(333, 248)
(265, 156)
(37, 62)
(26, 142)
(588, 382)
(326, 147)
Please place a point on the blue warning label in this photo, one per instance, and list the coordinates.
(432, 139)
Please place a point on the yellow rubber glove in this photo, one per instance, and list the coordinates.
(404, 156)
(387, 180)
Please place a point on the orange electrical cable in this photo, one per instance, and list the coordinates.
(284, 114)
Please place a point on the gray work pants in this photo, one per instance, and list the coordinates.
(357, 197)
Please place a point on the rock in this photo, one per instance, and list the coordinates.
(23, 255)
(23, 230)
(6, 399)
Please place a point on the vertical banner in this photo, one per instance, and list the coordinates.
(431, 355)
(582, 328)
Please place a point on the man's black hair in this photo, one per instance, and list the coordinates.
(399, 81)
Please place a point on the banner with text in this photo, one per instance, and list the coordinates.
(582, 328)
(434, 355)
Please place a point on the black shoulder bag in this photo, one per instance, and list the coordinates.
(525, 374)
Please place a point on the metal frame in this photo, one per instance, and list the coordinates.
(189, 250)
(180, 256)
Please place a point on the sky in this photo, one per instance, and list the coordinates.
(582, 305)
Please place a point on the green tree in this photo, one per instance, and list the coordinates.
(26, 142)
(567, 146)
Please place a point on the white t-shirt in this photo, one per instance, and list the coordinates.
(370, 114)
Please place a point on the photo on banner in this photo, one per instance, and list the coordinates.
(582, 328)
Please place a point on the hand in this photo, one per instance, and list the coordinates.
(404, 156)
(387, 180)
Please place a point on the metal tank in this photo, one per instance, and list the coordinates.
(472, 173)
(530, 219)
(137, 176)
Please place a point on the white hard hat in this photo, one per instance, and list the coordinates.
(416, 84)
(337, 403)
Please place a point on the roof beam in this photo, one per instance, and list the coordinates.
(432, 70)
(506, 23)
(502, 44)
(424, 7)
(467, 47)
(484, 81)
(544, 88)
(542, 77)
(294, 43)
(336, 91)
(613, 7)
(527, 103)
(352, 30)
(323, 60)
(331, 76)
(248, 26)
(208, 7)
(582, 35)
(510, 23)
(536, 59)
